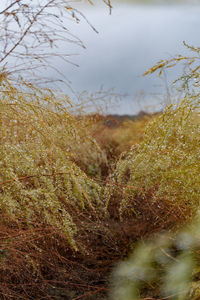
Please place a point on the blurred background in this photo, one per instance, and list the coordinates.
(120, 45)
(131, 39)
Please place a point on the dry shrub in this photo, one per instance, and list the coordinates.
(38, 264)
(163, 169)
(56, 240)
(61, 231)
(45, 197)
(165, 266)
(38, 175)
(116, 134)
(158, 183)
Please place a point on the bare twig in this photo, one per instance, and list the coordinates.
(7, 8)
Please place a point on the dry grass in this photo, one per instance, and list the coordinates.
(72, 201)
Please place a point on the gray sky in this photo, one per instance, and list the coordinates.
(130, 40)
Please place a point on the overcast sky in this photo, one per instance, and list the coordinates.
(130, 40)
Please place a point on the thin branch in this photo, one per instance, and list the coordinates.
(26, 31)
(7, 8)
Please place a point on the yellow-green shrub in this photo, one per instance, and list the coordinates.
(130, 133)
(118, 137)
(39, 142)
(165, 166)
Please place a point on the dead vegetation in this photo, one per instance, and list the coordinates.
(73, 202)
